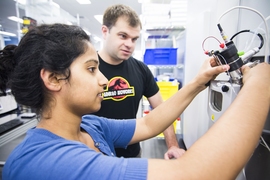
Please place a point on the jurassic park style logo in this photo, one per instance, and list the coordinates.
(118, 89)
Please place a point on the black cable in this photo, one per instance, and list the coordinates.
(258, 34)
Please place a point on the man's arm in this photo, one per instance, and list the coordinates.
(171, 141)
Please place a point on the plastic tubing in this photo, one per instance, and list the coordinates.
(266, 51)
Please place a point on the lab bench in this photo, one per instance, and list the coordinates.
(10, 139)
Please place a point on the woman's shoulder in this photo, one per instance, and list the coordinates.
(91, 119)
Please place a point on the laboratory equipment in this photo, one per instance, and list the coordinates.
(223, 92)
(7, 103)
(7, 126)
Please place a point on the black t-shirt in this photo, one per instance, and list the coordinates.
(128, 82)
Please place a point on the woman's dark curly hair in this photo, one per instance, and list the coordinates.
(52, 47)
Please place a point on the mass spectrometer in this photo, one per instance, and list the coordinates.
(223, 92)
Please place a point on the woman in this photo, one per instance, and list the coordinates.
(54, 70)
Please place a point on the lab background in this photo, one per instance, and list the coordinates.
(173, 41)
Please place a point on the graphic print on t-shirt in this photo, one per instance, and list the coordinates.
(118, 89)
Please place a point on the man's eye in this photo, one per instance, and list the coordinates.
(135, 39)
(123, 36)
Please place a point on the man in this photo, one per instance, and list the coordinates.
(129, 79)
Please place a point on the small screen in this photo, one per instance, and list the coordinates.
(216, 100)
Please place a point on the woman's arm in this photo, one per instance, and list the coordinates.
(224, 150)
(164, 115)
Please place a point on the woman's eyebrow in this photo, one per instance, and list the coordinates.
(92, 60)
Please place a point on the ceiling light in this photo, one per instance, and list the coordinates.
(97, 38)
(87, 32)
(84, 1)
(55, 4)
(68, 23)
(155, 1)
(99, 18)
(16, 19)
(7, 33)
(21, 1)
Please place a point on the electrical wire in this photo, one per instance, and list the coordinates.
(258, 28)
(230, 79)
(217, 59)
(266, 52)
(208, 38)
(261, 38)
(265, 144)
(256, 31)
(258, 34)
(248, 46)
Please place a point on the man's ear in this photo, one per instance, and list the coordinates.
(105, 31)
(50, 80)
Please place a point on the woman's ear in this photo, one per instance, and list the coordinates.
(50, 80)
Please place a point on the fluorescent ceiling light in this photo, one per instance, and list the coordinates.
(155, 1)
(7, 33)
(68, 23)
(55, 4)
(21, 1)
(97, 38)
(84, 1)
(87, 32)
(99, 18)
(16, 19)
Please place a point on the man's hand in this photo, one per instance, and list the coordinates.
(174, 153)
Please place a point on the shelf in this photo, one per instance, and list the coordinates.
(9, 136)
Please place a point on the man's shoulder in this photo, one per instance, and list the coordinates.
(133, 60)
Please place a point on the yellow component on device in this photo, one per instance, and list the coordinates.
(212, 117)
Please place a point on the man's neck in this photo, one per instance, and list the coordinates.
(107, 58)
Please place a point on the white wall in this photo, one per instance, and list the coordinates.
(203, 17)
(263, 6)
(2, 42)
